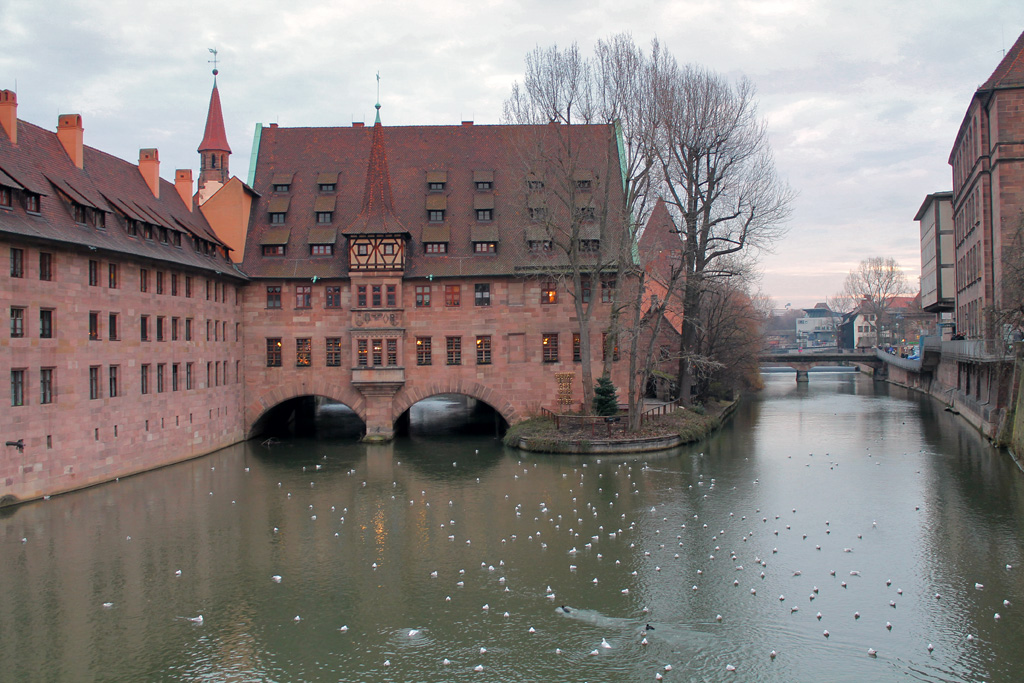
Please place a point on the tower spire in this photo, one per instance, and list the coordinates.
(378, 214)
(214, 151)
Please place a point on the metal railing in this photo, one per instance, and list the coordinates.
(978, 350)
(608, 425)
(661, 409)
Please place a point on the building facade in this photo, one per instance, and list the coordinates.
(938, 254)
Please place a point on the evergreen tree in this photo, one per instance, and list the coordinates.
(605, 401)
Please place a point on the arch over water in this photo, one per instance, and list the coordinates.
(497, 400)
(269, 397)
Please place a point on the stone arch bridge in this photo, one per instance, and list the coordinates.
(804, 361)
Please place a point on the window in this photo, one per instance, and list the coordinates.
(539, 246)
(483, 185)
(607, 290)
(327, 187)
(362, 249)
(174, 329)
(550, 348)
(5, 197)
(112, 275)
(94, 382)
(435, 215)
(46, 385)
(452, 295)
(144, 328)
(485, 247)
(31, 202)
(375, 293)
(273, 250)
(94, 325)
(160, 368)
(46, 323)
(482, 294)
(282, 187)
(538, 213)
(188, 376)
(590, 246)
(143, 280)
(577, 356)
(422, 296)
(144, 378)
(188, 286)
(274, 297)
(303, 296)
(159, 282)
(607, 344)
(378, 352)
(535, 184)
(333, 352)
(361, 296)
(585, 213)
(160, 328)
(148, 231)
(17, 262)
(45, 266)
(324, 216)
(274, 352)
(113, 381)
(277, 218)
(17, 322)
(17, 387)
(484, 214)
(435, 247)
(423, 351)
(94, 273)
(391, 294)
(435, 187)
(321, 249)
(483, 350)
(361, 352)
(583, 184)
(80, 212)
(174, 376)
(209, 324)
(188, 329)
(333, 297)
(548, 293)
(392, 346)
(453, 347)
(303, 352)
(585, 290)
(112, 326)
(174, 284)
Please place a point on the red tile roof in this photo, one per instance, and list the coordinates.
(39, 165)
(378, 214)
(1010, 72)
(414, 153)
(214, 138)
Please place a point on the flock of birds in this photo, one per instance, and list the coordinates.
(681, 539)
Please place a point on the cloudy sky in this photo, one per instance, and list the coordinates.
(862, 98)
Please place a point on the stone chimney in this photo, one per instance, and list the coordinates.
(183, 184)
(71, 134)
(149, 167)
(9, 114)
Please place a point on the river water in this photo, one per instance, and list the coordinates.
(842, 506)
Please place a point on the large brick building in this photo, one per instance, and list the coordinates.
(150, 324)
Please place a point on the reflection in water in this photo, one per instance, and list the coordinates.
(840, 497)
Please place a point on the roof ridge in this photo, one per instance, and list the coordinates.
(1010, 71)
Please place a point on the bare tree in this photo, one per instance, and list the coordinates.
(719, 177)
(872, 287)
(1010, 317)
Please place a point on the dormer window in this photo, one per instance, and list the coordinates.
(324, 216)
(539, 246)
(590, 246)
(484, 214)
(327, 187)
(277, 218)
(149, 231)
(321, 250)
(99, 219)
(133, 227)
(535, 184)
(5, 197)
(435, 187)
(485, 247)
(80, 213)
(435, 215)
(31, 202)
(586, 213)
(538, 213)
(282, 188)
(436, 180)
(177, 239)
(483, 185)
(273, 250)
(435, 247)
(281, 182)
(583, 184)
(327, 181)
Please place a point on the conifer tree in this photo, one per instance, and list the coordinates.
(605, 401)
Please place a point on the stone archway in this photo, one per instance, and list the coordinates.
(409, 396)
(271, 396)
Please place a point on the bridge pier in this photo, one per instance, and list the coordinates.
(801, 376)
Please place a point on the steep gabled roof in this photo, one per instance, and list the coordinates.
(1010, 72)
(214, 138)
(377, 216)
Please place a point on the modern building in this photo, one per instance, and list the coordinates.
(377, 267)
(938, 257)
(817, 327)
(988, 193)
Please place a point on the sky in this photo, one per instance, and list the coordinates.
(862, 99)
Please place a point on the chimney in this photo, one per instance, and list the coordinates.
(183, 184)
(467, 123)
(9, 114)
(149, 167)
(358, 124)
(70, 134)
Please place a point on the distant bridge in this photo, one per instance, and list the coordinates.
(802, 361)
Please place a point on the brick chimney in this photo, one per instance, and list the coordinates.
(149, 167)
(71, 134)
(183, 184)
(9, 114)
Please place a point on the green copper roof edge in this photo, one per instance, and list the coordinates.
(255, 153)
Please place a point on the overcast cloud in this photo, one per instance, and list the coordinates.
(862, 98)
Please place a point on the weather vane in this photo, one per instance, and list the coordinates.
(378, 88)
(213, 61)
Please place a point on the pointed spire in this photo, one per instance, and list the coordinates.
(214, 139)
(378, 214)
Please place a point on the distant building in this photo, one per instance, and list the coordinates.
(938, 256)
(988, 176)
(817, 326)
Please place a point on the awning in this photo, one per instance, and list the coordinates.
(275, 236)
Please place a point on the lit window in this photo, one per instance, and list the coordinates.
(609, 344)
(303, 352)
(361, 352)
(423, 356)
(550, 348)
(548, 293)
(112, 275)
(274, 352)
(576, 353)
(333, 352)
(483, 350)
(485, 247)
(94, 325)
(378, 352)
